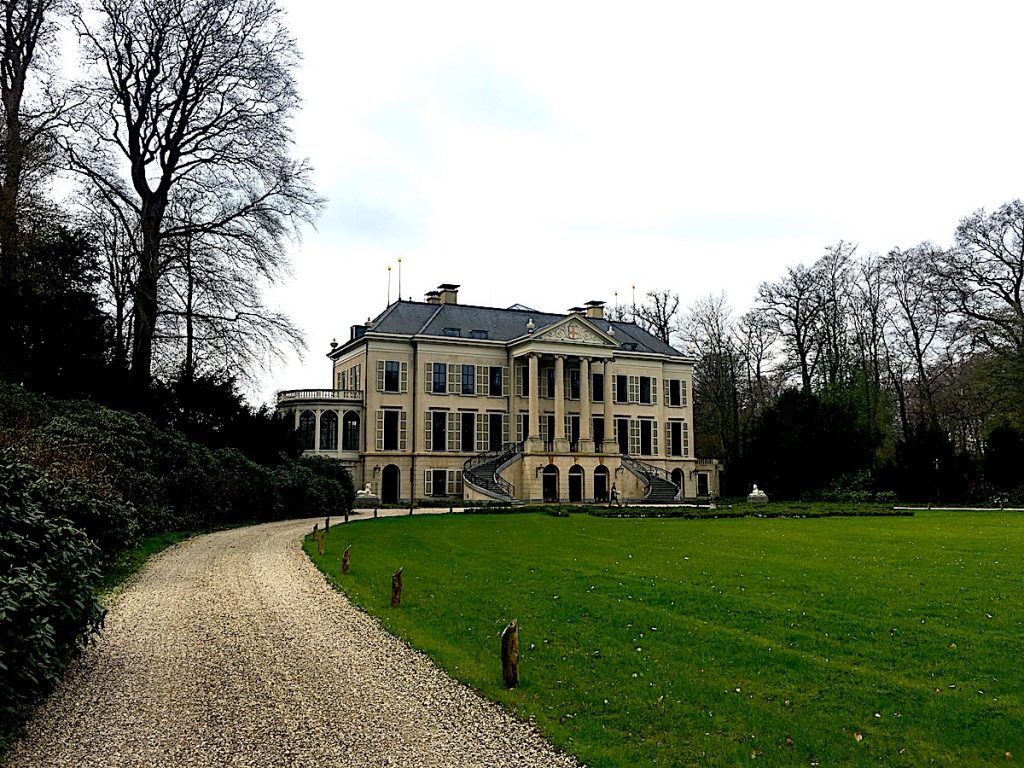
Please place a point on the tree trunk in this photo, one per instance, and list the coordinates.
(396, 588)
(146, 301)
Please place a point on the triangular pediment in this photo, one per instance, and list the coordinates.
(576, 330)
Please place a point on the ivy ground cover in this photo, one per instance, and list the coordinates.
(835, 641)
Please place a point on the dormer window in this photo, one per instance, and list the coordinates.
(453, 332)
(478, 334)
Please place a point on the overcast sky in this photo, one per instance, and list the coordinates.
(553, 153)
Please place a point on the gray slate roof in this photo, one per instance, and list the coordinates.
(408, 318)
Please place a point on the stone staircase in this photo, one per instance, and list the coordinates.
(659, 489)
(482, 472)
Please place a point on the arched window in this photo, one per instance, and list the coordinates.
(350, 432)
(307, 430)
(328, 431)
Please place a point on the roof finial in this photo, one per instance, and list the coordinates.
(530, 325)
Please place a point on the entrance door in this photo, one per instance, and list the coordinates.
(550, 483)
(439, 482)
(702, 483)
(576, 483)
(601, 484)
(677, 478)
(390, 482)
(646, 437)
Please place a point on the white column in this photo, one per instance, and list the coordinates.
(561, 444)
(532, 384)
(609, 388)
(585, 441)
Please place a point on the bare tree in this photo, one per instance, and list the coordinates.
(659, 315)
(213, 320)
(191, 99)
(31, 105)
(919, 325)
(833, 337)
(984, 276)
(716, 377)
(793, 305)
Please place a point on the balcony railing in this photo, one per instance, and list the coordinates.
(319, 394)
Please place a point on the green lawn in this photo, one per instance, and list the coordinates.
(722, 642)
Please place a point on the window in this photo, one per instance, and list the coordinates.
(342, 379)
(478, 334)
(621, 389)
(598, 394)
(328, 431)
(497, 430)
(676, 391)
(350, 432)
(523, 427)
(574, 383)
(648, 437)
(598, 431)
(392, 376)
(678, 439)
(622, 435)
(524, 380)
(439, 382)
(438, 430)
(442, 482)
(307, 430)
(469, 379)
(648, 390)
(391, 423)
(452, 332)
(497, 381)
(354, 376)
(548, 377)
(468, 432)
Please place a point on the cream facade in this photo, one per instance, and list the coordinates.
(436, 399)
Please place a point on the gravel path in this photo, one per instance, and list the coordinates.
(231, 650)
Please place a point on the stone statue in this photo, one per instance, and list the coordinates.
(367, 491)
(757, 496)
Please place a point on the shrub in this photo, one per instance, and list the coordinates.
(48, 570)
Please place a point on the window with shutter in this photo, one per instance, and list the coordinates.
(428, 377)
(682, 391)
(634, 437)
(481, 380)
(428, 430)
(504, 381)
(481, 433)
(634, 389)
(654, 391)
(401, 431)
(404, 374)
(453, 383)
(380, 430)
(654, 438)
(504, 428)
(380, 375)
(686, 440)
(453, 431)
(428, 482)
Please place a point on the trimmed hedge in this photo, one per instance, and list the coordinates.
(48, 571)
(79, 485)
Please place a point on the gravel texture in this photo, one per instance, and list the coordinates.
(231, 650)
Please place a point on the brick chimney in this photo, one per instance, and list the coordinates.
(432, 297)
(595, 310)
(448, 293)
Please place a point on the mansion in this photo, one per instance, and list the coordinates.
(441, 399)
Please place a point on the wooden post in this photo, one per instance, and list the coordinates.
(316, 527)
(346, 515)
(346, 559)
(510, 654)
(374, 513)
(320, 544)
(327, 525)
(410, 507)
(396, 588)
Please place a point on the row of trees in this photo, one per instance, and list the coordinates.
(177, 140)
(902, 371)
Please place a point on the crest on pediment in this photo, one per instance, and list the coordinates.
(576, 330)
